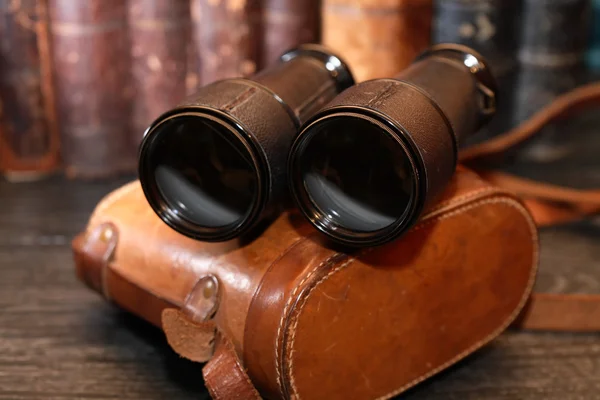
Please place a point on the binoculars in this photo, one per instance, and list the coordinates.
(360, 161)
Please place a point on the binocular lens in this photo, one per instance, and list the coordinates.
(203, 174)
(356, 175)
(365, 167)
(213, 167)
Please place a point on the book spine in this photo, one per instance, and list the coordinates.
(159, 32)
(378, 38)
(489, 26)
(552, 54)
(492, 28)
(593, 53)
(554, 42)
(29, 144)
(192, 77)
(227, 38)
(288, 23)
(93, 86)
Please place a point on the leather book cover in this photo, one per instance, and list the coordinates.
(91, 53)
(288, 23)
(378, 38)
(552, 61)
(492, 27)
(29, 144)
(593, 51)
(192, 79)
(227, 38)
(159, 32)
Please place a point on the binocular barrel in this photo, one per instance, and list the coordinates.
(214, 166)
(363, 169)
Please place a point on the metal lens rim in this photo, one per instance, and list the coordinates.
(317, 217)
(236, 132)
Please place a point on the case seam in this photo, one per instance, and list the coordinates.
(285, 311)
(112, 198)
(458, 200)
(533, 231)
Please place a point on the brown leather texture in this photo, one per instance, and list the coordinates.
(159, 31)
(425, 125)
(549, 204)
(304, 318)
(287, 24)
(227, 38)
(378, 38)
(225, 377)
(389, 317)
(152, 256)
(90, 51)
(29, 138)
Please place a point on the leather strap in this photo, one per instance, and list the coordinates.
(562, 107)
(561, 312)
(224, 376)
(549, 205)
(93, 252)
(190, 339)
(189, 329)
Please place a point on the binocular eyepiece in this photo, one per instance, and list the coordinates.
(363, 169)
(368, 159)
(214, 166)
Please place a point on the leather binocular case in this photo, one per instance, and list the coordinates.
(364, 168)
(214, 167)
(288, 316)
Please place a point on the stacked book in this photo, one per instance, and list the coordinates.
(537, 50)
(81, 80)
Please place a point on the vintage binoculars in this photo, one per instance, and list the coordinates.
(361, 161)
(214, 167)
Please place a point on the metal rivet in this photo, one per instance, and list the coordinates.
(203, 300)
(209, 289)
(106, 234)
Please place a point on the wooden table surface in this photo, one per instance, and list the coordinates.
(59, 340)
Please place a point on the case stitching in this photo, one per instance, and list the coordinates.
(106, 202)
(285, 311)
(509, 201)
(279, 258)
(424, 222)
(458, 200)
(509, 320)
(113, 198)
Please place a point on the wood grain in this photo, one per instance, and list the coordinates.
(59, 340)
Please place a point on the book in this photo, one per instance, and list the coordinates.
(287, 24)
(91, 53)
(378, 38)
(552, 54)
(593, 53)
(227, 37)
(491, 27)
(159, 31)
(29, 143)
(192, 77)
